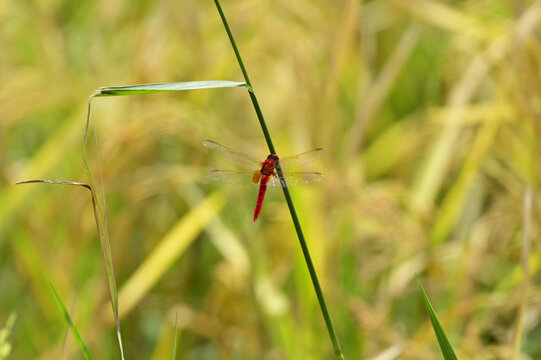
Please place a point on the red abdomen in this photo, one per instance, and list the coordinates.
(261, 195)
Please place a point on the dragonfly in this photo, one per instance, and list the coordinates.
(265, 172)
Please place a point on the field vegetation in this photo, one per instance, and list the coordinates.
(428, 111)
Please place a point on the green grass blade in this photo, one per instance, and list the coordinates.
(103, 232)
(526, 250)
(163, 87)
(71, 325)
(174, 354)
(257, 109)
(446, 348)
(5, 345)
(105, 247)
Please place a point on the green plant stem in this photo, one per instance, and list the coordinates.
(103, 232)
(294, 217)
(263, 125)
(247, 80)
(313, 274)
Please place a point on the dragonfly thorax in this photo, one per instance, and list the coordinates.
(268, 166)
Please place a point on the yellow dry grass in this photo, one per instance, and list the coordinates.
(428, 112)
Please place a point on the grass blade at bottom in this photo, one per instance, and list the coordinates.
(445, 345)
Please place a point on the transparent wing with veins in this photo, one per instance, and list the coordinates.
(301, 159)
(245, 177)
(230, 154)
(231, 176)
(296, 178)
(286, 162)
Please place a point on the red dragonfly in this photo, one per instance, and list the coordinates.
(267, 174)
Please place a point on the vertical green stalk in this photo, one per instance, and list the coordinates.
(103, 233)
(523, 302)
(247, 79)
(296, 223)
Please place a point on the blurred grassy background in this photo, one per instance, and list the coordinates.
(428, 111)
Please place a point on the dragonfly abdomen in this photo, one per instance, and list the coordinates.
(261, 195)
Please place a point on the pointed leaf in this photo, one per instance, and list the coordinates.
(162, 87)
(174, 354)
(446, 348)
(73, 329)
(105, 247)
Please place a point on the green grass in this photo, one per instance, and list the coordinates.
(445, 346)
(426, 111)
(70, 323)
(5, 333)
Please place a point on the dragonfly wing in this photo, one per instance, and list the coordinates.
(230, 154)
(301, 159)
(297, 178)
(231, 177)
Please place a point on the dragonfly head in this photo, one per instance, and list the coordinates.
(273, 157)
